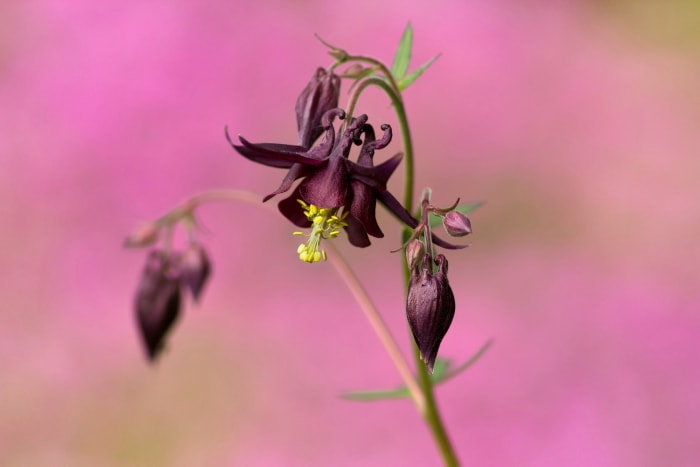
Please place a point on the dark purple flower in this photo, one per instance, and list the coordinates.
(157, 300)
(344, 193)
(430, 307)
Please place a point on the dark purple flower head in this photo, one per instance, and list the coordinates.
(430, 306)
(157, 300)
(330, 180)
(335, 192)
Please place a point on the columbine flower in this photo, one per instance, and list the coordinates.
(430, 306)
(157, 300)
(331, 182)
(333, 185)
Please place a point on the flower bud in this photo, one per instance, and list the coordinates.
(414, 253)
(194, 267)
(457, 224)
(157, 300)
(430, 307)
(318, 97)
(144, 235)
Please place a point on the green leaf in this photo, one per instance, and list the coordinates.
(441, 372)
(436, 221)
(449, 374)
(406, 81)
(403, 54)
(440, 369)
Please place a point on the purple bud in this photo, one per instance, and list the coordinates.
(157, 300)
(430, 307)
(318, 97)
(194, 267)
(457, 224)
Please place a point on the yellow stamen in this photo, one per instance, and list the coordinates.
(325, 225)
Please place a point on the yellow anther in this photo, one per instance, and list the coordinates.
(325, 224)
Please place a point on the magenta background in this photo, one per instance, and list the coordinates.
(577, 123)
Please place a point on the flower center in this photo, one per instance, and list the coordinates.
(325, 224)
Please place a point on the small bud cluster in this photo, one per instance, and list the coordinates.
(430, 303)
(166, 274)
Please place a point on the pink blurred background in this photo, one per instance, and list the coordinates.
(577, 122)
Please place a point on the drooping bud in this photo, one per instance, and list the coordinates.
(318, 97)
(430, 307)
(194, 267)
(157, 300)
(457, 224)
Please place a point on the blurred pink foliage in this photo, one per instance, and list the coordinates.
(579, 132)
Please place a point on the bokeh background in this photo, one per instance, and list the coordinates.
(577, 122)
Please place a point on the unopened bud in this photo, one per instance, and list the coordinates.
(157, 300)
(194, 269)
(318, 97)
(430, 307)
(414, 253)
(144, 235)
(357, 71)
(457, 224)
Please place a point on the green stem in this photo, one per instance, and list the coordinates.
(430, 414)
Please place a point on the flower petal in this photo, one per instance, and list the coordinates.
(357, 235)
(377, 176)
(292, 210)
(328, 187)
(363, 208)
(275, 155)
(320, 95)
(295, 172)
